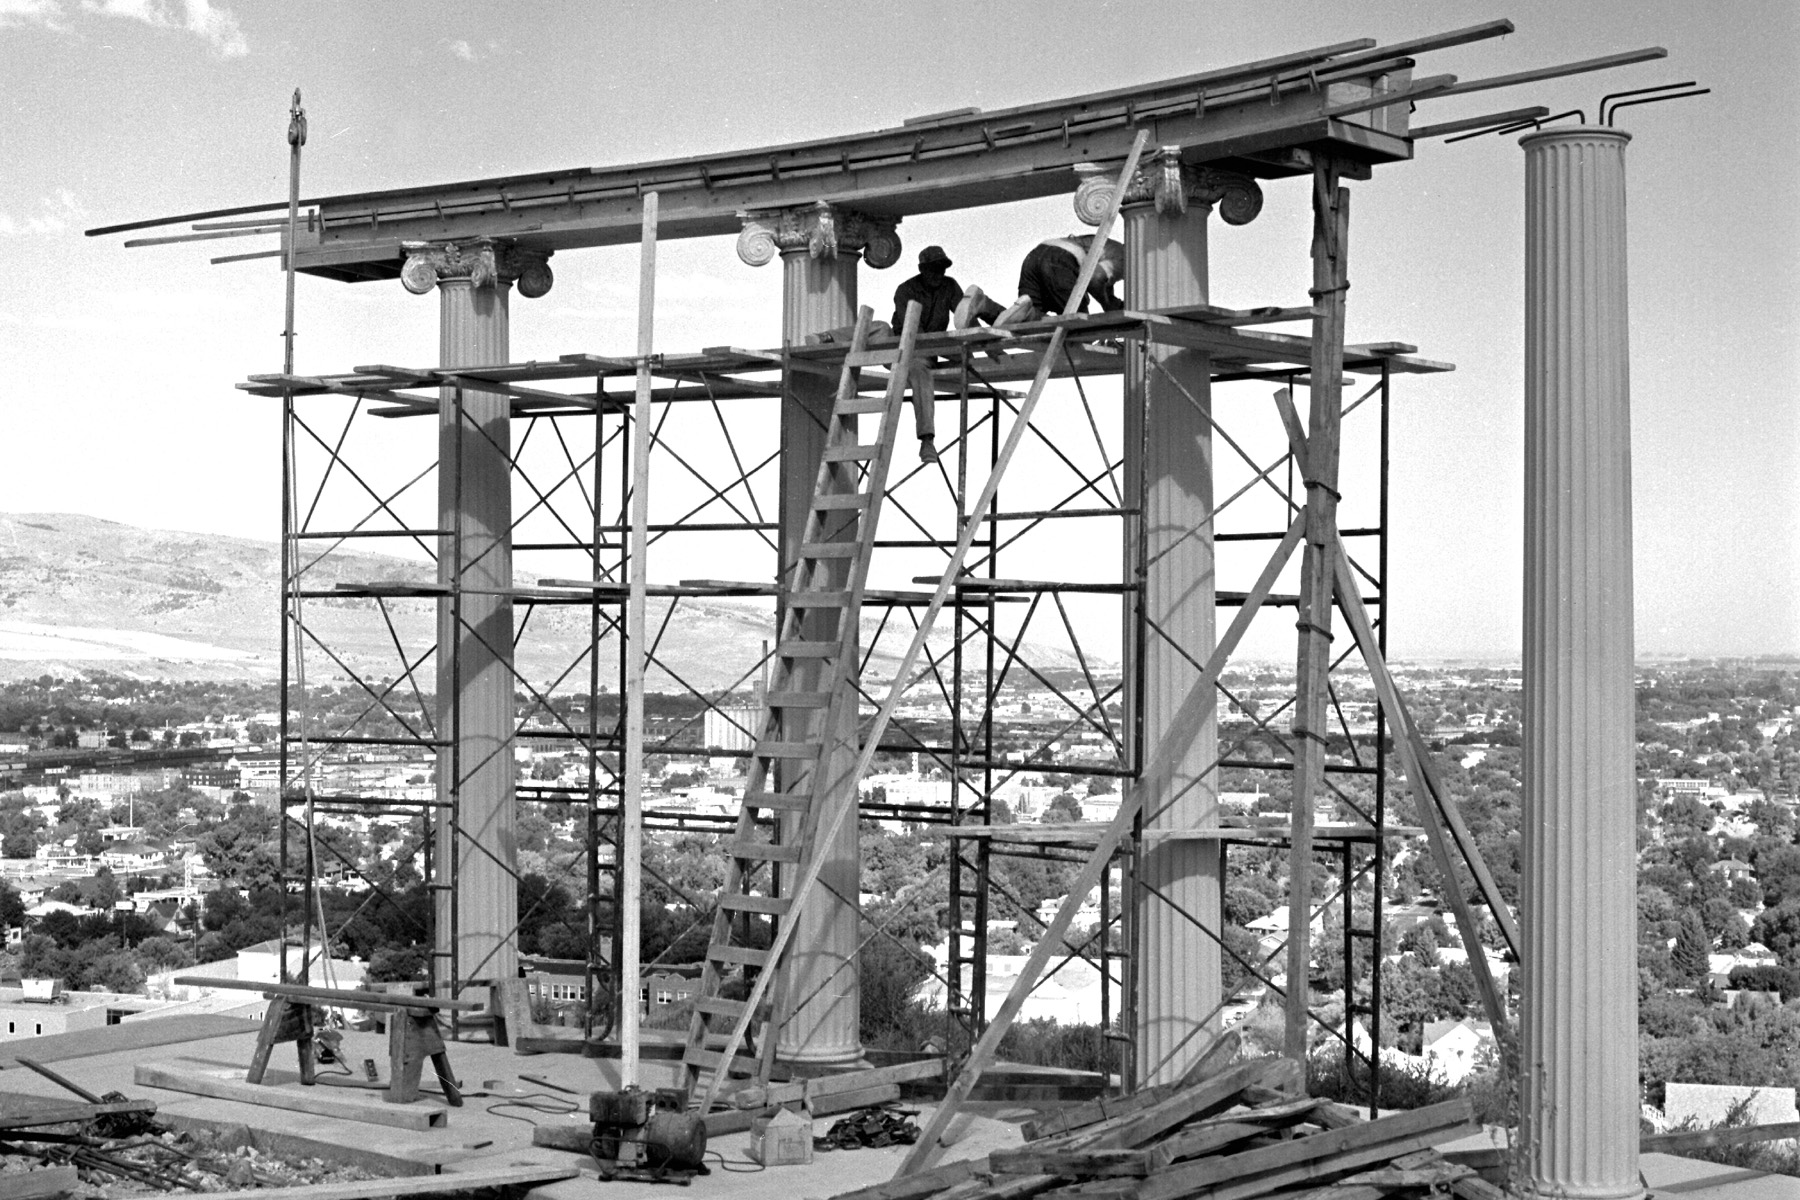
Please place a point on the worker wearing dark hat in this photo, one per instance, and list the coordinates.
(935, 291)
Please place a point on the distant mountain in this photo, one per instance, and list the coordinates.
(80, 593)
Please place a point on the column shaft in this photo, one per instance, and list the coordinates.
(818, 294)
(1579, 905)
(475, 496)
(1168, 474)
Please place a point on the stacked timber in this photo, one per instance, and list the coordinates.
(1245, 1131)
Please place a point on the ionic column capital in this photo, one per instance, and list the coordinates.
(483, 262)
(819, 229)
(1163, 180)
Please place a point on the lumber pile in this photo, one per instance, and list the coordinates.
(1244, 1131)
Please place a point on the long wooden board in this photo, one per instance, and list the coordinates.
(196, 1082)
(38, 1185)
(415, 1185)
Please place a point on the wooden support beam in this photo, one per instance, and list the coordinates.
(518, 1178)
(637, 654)
(1330, 254)
(195, 1080)
(1411, 750)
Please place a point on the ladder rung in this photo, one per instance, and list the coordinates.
(768, 906)
(799, 699)
(764, 851)
(711, 1059)
(854, 452)
(718, 1006)
(861, 404)
(778, 801)
(828, 549)
(818, 599)
(805, 751)
(837, 500)
(748, 956)
(872, 358)
(807, 650)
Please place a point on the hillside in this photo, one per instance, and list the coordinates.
(80, 592)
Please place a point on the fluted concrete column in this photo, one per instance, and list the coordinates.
(819, 248)
(1168, 474)
(474, 660)
(1578, 899)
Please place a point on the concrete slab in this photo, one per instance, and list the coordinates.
(494, 1113)
(1691, 1179)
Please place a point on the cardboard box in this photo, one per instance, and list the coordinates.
(785, 1139)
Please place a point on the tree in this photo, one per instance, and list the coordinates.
(1691, 947)
(1064, 809)
(242, 849)
(12, 907)
(1778, 928)
(1778, 870)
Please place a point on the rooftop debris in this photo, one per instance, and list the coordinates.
(1244, 1130)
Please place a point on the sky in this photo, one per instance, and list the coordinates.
(119, 364)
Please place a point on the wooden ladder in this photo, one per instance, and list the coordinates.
(812, 698)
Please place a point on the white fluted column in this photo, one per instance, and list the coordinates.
(473, 280)
(1578, 899)
(819, 248)
(1168, 474)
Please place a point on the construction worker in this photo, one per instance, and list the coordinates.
(1046, 278)
(936, 292)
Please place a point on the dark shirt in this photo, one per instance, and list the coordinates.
(1050, 272)
(938, 296)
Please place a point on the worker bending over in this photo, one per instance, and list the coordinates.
(1046, 278)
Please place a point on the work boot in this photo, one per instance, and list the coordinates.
(928, 450)
(969, 308)
(1021, 310)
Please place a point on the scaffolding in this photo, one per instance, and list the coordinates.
(569, 461)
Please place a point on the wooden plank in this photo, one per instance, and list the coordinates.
(31, 1064)
(1291, 1162)
(1091, 1112)
(1411, 751)
(1215, 1058)
(415, 1185)
(738, 1120)
(1475, 1188)
(125, 1037)
(40, 1184)
(1210, 1136)
(334, 997)
(52, 1112)
(1202, 1100)
(1079, 1164)
(1604, 62)
(637, 654)
(922, 1184)
(196, 1082)
(1330, 257)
